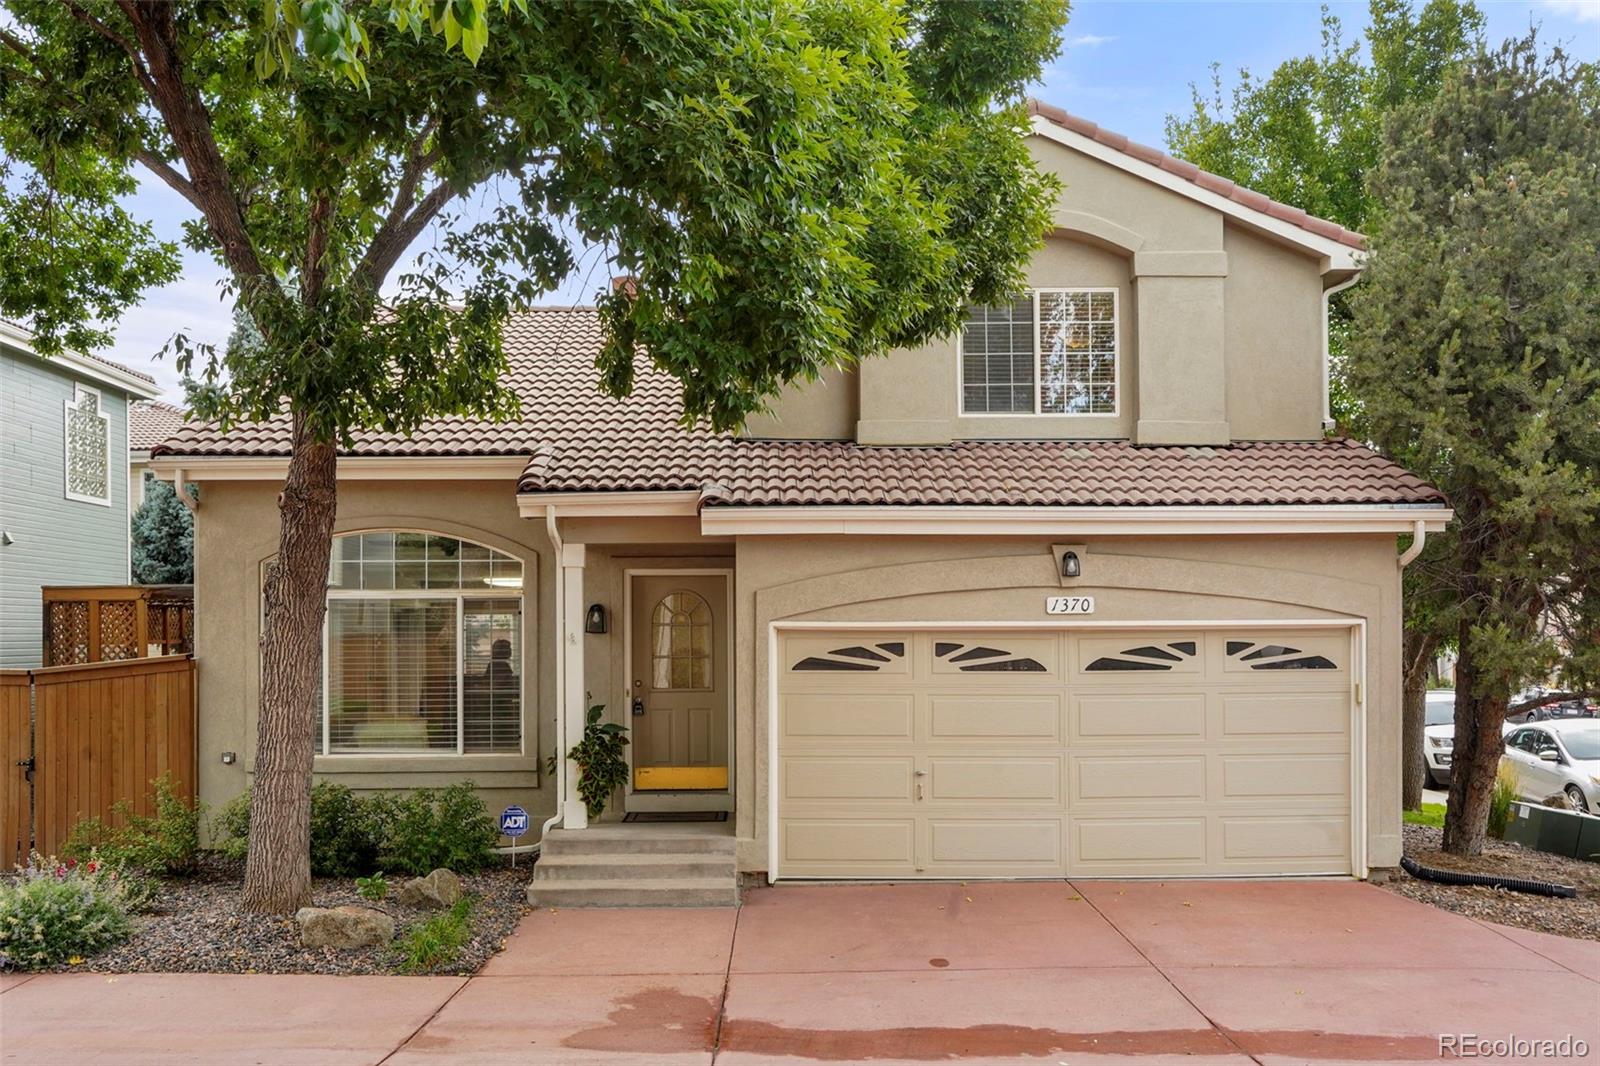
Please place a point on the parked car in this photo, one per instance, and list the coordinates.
(1438, 737)
(1557, 756)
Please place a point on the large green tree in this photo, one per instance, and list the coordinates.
(1309, 134)
(163, 538)
(794, 185)
(1475, 349)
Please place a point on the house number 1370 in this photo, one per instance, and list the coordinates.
(1069, 605)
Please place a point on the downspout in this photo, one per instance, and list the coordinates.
(1419, 538)
(561, 688)
(1327, 367)
(181, 488)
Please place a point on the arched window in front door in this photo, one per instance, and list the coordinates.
(680, 642)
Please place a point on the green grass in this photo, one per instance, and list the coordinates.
(1430, 814)
(437, 942)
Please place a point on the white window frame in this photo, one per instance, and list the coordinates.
(1038, 361)
(79, 391)
(460, 597)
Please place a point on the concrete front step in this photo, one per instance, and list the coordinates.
(648, 866)
(653, 892)
(635, 840)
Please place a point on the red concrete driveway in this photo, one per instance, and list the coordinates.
(1270, 972)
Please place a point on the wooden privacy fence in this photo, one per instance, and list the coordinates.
(77, 739)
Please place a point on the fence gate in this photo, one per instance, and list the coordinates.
(78, 739)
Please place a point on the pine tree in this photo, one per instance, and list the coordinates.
(1474, 350)
(163, 538)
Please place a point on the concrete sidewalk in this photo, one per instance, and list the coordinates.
(1045, 972)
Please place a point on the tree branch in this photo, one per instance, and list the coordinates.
(393, 239)
(314, 268)
(189, 125)
(134, 56)
(1549, 698)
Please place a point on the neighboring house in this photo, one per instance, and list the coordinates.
(64, 500)
(1081, 591)
(149, 423)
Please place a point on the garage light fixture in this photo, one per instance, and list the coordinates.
(1070, 566)
(595, 620)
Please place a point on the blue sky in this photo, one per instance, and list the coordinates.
(1126, 65)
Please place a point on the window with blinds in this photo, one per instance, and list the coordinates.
(424, 647)
(1052, 352)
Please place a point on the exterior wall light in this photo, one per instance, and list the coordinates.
(594, 620)
(1070, 566)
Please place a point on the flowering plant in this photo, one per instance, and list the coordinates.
(54, 911)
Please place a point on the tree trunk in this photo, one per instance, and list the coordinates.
(278, 869)
(1476, 757)
(1419, 649)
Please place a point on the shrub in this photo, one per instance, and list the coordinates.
(602, 768)
(429, 828)
(345, 833)
(57, 911)
(166, 843)
(230, 827)
(373, 888)
(437, 942)
(1500, 800)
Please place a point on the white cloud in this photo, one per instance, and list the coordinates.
(1089, 40)
(1581, 10)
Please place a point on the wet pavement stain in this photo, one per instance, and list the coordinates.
(659, 1020)
(941, 963)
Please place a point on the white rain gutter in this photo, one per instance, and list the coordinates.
(1419, 538)
(1327, 367)
(561, 688)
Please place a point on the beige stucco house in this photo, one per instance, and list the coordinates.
(1084, 590)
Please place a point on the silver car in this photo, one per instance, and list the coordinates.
(1561, 756)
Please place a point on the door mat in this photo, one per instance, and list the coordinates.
(675, 816)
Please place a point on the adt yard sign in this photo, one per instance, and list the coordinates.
(513, 821)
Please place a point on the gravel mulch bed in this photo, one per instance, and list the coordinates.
(1578, 917)
(197, 927)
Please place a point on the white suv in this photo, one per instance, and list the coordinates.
(1558, 756)
(1438, 737)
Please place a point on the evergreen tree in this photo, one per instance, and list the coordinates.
(1473, 347)
(163, 538)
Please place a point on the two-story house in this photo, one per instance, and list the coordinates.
(64, 494)
(1084, 590)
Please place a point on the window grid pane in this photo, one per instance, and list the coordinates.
(491, 665)
(392, 675)
(87, 434)
(384, 561)
(1077, 335)
(997, 364)
(680, 642)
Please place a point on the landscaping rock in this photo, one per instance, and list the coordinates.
(343, 927)
(439, 889)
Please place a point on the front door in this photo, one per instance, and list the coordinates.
(679, 683)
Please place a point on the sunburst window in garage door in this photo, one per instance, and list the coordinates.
(1146, 657)
(858, 658)
(981, 658)
(1276, 657)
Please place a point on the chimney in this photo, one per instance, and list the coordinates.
(626, 284)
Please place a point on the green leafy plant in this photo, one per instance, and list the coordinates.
(437, 942)
(602, 768)
(57, 911)
(346, 830)
(1500, 799)
(166, 843)
(374, 887)
(428, 828)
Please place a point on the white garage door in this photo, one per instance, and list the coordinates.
(907, 754)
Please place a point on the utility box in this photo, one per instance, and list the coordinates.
(1554, 831)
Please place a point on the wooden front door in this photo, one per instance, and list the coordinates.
(679, 683)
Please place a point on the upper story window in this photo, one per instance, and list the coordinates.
(1050, 352)
(424, 647)
(88, 448)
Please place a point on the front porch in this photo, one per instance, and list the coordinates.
(666, 864)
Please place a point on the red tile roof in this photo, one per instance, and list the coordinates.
(150, 422)
(1204, 179)
(583, 441)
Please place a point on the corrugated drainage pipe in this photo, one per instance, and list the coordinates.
(1512, 884)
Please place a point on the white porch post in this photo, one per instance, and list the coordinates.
(573, 700)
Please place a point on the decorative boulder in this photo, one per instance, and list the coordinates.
(439, 889)
(343, 927)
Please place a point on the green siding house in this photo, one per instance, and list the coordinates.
(64, 504)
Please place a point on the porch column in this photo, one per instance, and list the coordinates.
(574, 814)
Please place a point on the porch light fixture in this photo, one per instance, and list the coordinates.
(594, 620)
(1070, 566)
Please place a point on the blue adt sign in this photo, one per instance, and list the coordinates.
(513, 821)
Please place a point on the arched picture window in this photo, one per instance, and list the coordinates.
(680, 642)
(424, 647)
